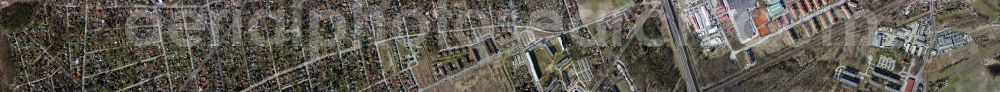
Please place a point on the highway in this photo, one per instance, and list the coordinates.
(677, 36)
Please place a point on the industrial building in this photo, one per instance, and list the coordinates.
(948, 40)
(741, 12)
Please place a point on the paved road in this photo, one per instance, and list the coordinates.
(621, 67)
(677, 36)
(917, 68)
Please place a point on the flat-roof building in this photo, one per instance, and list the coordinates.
(887, 75)
(885, 62)
(909, 85)
(847, 75)
(741, 12)
(948, 40)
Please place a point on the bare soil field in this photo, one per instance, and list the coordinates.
(790, 76)
(485, 79)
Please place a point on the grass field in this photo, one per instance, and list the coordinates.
(970, 75)
(959, 14)
(987, 8)
(590, 9)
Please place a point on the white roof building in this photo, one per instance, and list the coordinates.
(887, 63)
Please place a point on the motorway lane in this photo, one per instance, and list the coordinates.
(676, 34)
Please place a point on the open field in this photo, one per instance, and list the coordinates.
(790, 76)
(988, 8)
(965, 69)
(590, 10)
(486, 78)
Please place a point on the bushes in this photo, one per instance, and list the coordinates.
(994, 69)
(17, 15)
